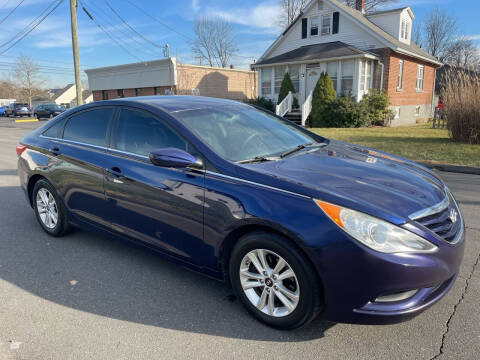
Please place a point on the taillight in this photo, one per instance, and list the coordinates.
(20, 149)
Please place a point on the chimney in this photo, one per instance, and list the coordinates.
(360, 5)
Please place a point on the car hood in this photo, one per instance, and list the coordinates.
(364, 179)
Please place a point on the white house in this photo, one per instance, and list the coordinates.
(359, 51)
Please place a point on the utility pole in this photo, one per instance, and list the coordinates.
(76, 61)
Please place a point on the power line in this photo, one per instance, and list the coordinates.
(37, 21)
(131, 28)
(106, 19)
(160, 22)
(107, 33)
(11, 11)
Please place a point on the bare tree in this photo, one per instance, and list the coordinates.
(26, 78)
(462, 53)
(214, 40)
(290, 9)
(417, 36)
(370, 5)
(440, 31)
(7, 89)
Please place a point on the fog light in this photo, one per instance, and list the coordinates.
(399, 296)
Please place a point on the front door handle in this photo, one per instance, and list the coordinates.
(55, 150)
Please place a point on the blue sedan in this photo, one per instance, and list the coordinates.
(299, 224)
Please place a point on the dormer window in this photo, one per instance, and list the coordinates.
(326, 24)
(404, 30)
(314, 26)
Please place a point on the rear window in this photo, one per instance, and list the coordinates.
(89, 127)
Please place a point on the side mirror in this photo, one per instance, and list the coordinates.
(176, 158)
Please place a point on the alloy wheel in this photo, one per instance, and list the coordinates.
(269, 282)
(47, 208)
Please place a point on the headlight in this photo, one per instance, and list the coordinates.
(377, 234)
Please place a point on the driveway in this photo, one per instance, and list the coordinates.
(90, 297)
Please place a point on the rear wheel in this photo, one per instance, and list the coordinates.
(49, 209)
(275, 281)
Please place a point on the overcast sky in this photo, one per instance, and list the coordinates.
(255, 26)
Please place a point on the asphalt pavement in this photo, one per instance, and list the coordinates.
(90, 297)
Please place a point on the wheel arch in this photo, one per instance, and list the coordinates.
(234, 236)
(31, 184)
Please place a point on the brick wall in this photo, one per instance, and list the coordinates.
(408, 95)
(215, 82)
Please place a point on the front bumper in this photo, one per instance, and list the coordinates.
(354, 277)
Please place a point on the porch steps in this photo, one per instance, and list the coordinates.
(294, 116)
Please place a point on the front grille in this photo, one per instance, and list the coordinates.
(441, 223)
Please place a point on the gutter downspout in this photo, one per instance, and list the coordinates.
(432, 108)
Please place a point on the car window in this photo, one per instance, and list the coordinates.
(55, 130)
(240, 132)
(89, 127)
(139, 133)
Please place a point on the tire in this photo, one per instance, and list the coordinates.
(303, 288)
(61, 227)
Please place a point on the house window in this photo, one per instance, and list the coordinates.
(326, 24)
(347, 76)
(400, 74)
(157, 91)
(365, 75)
(294, 72)
(279, 74)
(120, 93)
(420, 72)
(404, 30)
(266, 81)
(138, 92)
(104, 95)
(332, 71)
(314, 26)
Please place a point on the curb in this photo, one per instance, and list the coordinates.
(452, 168)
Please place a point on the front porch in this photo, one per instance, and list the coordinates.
(351, 70)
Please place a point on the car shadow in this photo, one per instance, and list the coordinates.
(96, 274)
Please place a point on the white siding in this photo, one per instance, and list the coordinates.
(67, 96)
(137, 75)
(349, 33)
(389, 22)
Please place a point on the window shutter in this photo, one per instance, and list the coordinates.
(336, 21)
(304, 28)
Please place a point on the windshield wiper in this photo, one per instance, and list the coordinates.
(295, 149)
(258, 159)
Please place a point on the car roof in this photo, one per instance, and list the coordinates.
(175, 103)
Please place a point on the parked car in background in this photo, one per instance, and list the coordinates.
(48, 111)
(2, 110)
(18, 109)
(299, 224)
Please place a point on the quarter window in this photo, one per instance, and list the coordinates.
(326, 24)
(89, 127)
(139, 133)
(314, 26)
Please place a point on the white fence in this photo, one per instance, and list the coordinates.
(286, 105)
(307, 108)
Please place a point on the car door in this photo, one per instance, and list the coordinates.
(80, 161)
(162, 207)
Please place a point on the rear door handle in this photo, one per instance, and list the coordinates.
(115, 173)
(55, 150)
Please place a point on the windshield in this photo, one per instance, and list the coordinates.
(239, 133)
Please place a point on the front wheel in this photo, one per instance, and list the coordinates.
(275, 281)
(49, 209)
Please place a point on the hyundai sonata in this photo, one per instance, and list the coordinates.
(299, 224)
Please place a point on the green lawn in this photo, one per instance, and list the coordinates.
(420, 143)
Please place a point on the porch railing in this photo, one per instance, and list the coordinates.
(285, 106)
(307, 108)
